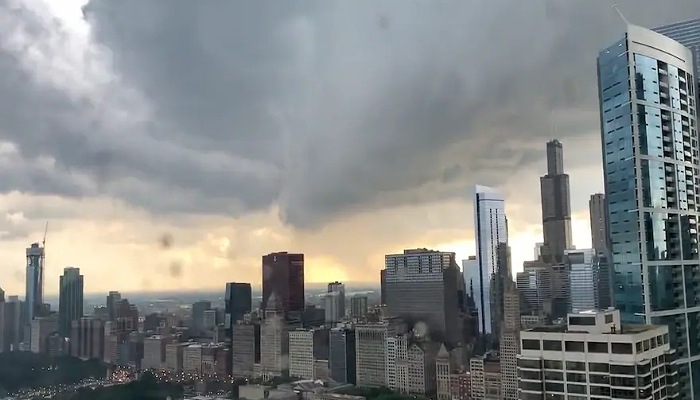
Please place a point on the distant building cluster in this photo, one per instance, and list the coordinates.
(619, 320)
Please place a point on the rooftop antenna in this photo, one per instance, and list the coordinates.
(622, 16)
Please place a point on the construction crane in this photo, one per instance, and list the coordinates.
(46, 230)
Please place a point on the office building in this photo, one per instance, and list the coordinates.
(245, 349)
(371, 351)
(192, 359)
(599, 223)
(334, 302)
(597, 356)
(556, 205)
(112, 304)
(154, 348)
(382, 287)
(491, 229)
(174, 356)
(237, 303)
(589, 280)
(470, 271)
(358, 307)
(283, 274)
(70, 299)
(34, 295)
(509, 343)
(650, 160)
(426, 285)
(198, 314)
(41, 329)
(303, 346)
(341, 355)
(485, 377)
(87, 338)
(274, 340)
(12, 323)
(500, 282)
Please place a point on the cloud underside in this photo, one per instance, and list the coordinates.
(315, 109)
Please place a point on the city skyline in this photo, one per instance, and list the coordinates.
(107, 222)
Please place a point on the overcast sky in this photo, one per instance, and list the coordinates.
(344, 129)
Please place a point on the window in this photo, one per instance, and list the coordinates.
(599, 367)
(622, 348)
(597, 347)
(608, 318)
(574, 347)
(551, 345)
(582, 321)
(578, 366)
(622, 369)
(553, 364)
(532, 364)
(529, 344)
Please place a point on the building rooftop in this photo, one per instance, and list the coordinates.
(624, 329)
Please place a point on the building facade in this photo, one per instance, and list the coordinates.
(245, 349)
(596, 356)
(283, 274)
(341, 355)
(490, 228)
(34, 294)
(425, 285)
(556, 204)
(70, 299)
(599, 223)
(237, 303)
(371, 351)
(650, 158)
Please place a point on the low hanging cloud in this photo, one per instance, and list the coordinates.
(316, 108)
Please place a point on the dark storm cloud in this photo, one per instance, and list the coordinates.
(319, 107)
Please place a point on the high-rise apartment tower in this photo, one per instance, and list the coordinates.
(490, 230)
(650, 159)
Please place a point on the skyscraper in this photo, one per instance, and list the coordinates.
(238, 302)
(335, 302)
(113, 299)
(424, 286)
(556, 205)
(70, 299)
(650, 160)
(283, 273)
(490, 229)
(34, 298)
(198, 310)
(686, 33)
(599, 223)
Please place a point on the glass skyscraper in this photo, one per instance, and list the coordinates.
(650, 160)
(70, 299)
(490, 230)
(686, 33)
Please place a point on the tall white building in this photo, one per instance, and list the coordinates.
(154, 352)
(334, 305)
(192, 359)
(274, 340)
(40, 330)
(301, 353)
(396, 352)
(371, 351)
(490, 229)
(595, 356)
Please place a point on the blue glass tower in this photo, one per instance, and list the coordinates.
(652, 185)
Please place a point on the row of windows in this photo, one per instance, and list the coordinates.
(579, 366)
(578, 347)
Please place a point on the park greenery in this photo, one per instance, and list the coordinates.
(26, 370)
